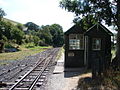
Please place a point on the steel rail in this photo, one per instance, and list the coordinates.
(38, 77)
(43, 69)
(13, 87)
(26, 75)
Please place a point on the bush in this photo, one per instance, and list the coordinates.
(8, 45)
(17, 35)
(42, 43)
(29, 45)
(4, 38)
(36, 40)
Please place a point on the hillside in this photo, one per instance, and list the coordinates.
(13, 22)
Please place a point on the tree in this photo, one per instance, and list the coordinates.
(9, 32)
(20, 26)
(45, 35)
(17, 35)
(36, 40)
(57, 35)
(86, 22)
(2, 13)
(107, 10)
(6, 29)
(32, 26)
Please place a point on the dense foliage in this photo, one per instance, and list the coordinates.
(103, 10)
(86, 22)
(32, 26)
(8, 31)
(48, 35)
(57, 35)
(2, 13)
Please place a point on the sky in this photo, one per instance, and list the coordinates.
(40, 12)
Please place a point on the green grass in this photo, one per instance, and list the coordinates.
(22, 53)
(18, 55)
(39, 47)
(113, 53)
(60, 53)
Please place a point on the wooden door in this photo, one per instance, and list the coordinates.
(97, 54)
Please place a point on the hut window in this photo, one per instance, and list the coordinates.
(96, 43)
(76, 41)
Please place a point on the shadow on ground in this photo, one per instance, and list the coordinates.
(74, 72)
(68, 74)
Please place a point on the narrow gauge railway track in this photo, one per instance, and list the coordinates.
(9, 74)
(36, 75)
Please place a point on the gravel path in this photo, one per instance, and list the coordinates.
(60, 80)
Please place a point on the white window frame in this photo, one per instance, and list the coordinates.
(76, 42)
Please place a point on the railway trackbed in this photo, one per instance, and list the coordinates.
(33, 76)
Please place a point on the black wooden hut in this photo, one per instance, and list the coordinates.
(82, 47)
(74, 47)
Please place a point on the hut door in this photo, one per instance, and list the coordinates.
(96, 55)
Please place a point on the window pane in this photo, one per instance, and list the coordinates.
(76, 41)
(96, 43)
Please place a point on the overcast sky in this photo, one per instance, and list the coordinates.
(41, 12)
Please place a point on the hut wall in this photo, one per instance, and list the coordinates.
(73, 58)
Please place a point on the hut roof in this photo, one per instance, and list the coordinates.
(98, 26)
(75, 29)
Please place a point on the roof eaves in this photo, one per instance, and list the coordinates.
(106, 30)
(69, 30)
(91, 28)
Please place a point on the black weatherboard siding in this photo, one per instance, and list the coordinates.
(76, 60)
(97, 46)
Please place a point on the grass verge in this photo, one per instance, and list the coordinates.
(60, 53)
(22, 53)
